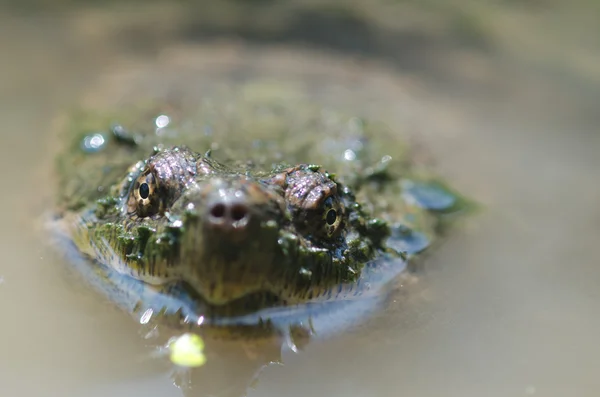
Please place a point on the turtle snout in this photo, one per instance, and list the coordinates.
(231, 211)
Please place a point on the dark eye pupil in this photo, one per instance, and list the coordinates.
(144, 190)
(331, 217)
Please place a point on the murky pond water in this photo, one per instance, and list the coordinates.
(507, 306)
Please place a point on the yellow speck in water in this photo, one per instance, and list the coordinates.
(187, 350)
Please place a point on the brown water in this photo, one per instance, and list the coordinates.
(508, 306)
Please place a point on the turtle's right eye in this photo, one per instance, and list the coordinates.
(144, 199)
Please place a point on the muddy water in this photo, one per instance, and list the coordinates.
(506, 307)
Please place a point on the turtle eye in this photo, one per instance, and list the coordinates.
(143, 200)
(332, 217)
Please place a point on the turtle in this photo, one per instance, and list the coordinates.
(240, 207)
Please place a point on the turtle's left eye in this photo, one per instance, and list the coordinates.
(143, 199)
(312, 196)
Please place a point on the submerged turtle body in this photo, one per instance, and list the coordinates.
(248, 206)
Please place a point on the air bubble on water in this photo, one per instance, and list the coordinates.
(93, 143)
(162, 121)
(349, 155)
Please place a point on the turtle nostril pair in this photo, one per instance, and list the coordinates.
(229, 214)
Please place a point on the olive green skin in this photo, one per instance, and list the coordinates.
(286, 253)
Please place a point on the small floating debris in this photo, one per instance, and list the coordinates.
(429, 196)
(404, 239)
(122, 135)
(187, 351)
(93, 143)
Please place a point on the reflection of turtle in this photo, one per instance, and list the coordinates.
(214, 211)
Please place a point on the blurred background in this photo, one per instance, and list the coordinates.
(503, 94)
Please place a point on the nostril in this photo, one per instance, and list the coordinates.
(239, 212)
(218, 210)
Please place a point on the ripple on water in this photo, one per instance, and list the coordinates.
(404, 239)
(430, 196)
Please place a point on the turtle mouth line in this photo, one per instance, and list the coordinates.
(249, 303)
